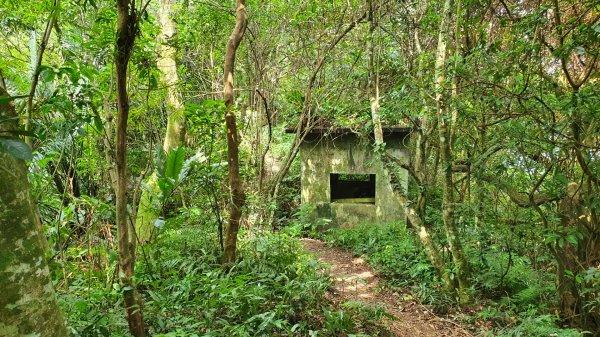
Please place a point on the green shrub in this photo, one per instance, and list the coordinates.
(274, 289)
(538, 326)
(304, 223)
(589, 281)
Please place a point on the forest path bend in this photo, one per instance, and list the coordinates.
(354, 280)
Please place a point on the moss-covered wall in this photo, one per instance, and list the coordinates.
(347, 154)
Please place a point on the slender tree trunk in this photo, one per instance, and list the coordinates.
(424, 232)
(373, 78)
(108, 138)
(235, 184)
(28, 304)
(416, 214)
(150, 202)
(127, 27)
(263, 152)
(37, 68)
(444, 130)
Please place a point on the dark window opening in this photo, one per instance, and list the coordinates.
(352, 188)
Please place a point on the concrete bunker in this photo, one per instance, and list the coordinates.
(346, 181)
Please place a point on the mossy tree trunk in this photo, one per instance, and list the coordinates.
(150, 205)
(28, 304)
(423, 176)
(444, 120)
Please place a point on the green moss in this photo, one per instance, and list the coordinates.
(6, 259)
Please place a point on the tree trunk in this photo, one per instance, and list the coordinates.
(28, 304)
(574, 259)
(579, 208)
(235, 184)
(37, 63)
(127, 27)
(373, 78)
(108, 140)
(444, 129)
(416, 214)
(424, 232)
(150, 202)
(168, 68)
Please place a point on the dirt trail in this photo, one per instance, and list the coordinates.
(356, 281)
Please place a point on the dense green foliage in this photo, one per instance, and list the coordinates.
(514, 299)
(275, 289)
(502, 98)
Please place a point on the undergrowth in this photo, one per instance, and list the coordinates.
(396, 256)
(275, 289)
(514, 298)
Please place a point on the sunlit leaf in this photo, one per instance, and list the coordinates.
(174, 163)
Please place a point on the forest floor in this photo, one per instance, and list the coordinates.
(354, 280)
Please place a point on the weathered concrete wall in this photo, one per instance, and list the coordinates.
(347, 154)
